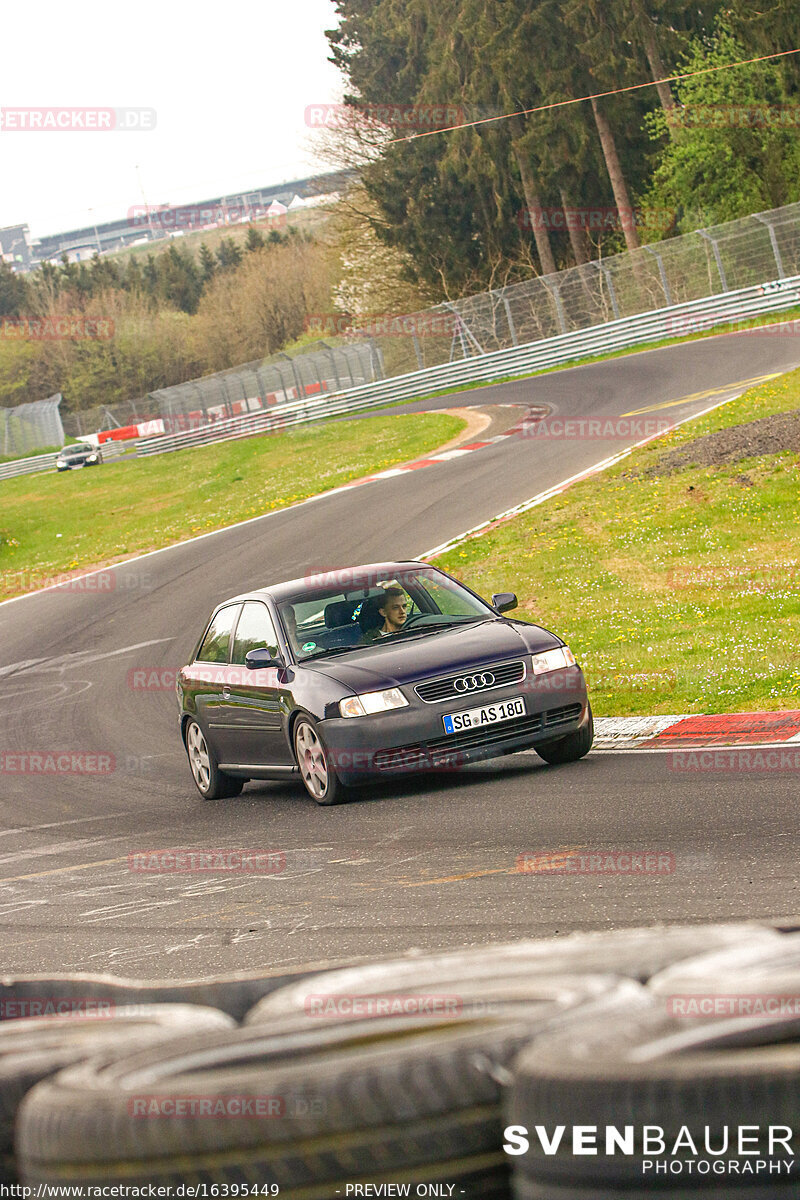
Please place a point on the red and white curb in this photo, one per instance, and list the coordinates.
(596, 469)
(700, 730)
(531, 414)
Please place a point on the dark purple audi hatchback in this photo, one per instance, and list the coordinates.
(389, 668)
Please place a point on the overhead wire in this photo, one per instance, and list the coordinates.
(634, 87)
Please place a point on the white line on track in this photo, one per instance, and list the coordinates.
(558, 488)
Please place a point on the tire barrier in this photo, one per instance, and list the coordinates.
(672, 1088)
(635, 953)
(232, 994)
(408, 1099)
(34, 1048)
(415, 1071)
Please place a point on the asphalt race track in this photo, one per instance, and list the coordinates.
(426, 862)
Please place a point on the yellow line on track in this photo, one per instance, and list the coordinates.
(637, 412)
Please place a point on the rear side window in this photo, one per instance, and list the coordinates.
(255, 631)
(218, 636)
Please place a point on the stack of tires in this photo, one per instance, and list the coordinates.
(443, 1075)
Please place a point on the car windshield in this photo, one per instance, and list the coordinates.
(323, 621)
(74, 451)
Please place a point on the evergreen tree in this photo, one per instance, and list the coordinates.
(13, 292)
(255, 238)
(208, 264)
(228, 254)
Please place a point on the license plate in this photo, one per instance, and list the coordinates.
(490, 714)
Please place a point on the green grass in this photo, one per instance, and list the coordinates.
(717, 331)
(51, 523)
(678, 593)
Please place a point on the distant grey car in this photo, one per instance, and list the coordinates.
(81, 454)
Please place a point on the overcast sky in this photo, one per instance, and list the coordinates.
(229, 83)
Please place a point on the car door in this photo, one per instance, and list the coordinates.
(255, 699)
(206, 680)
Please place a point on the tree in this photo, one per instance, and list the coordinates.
(731, 154)
(13, 292)
(228, 254)
(208, 264)
(255, 238)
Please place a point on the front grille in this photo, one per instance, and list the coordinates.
(404, 758)
(445, 689)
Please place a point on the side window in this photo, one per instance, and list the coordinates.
(254, 631)
(218, 637)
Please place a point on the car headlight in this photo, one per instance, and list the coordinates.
(372, 702)
(92, 458)
(553, 660)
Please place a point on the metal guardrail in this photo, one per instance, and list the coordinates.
(677, 321)
(47, 462)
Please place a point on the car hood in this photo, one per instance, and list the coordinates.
(448, 652)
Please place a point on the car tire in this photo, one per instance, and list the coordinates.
(316, 769)
(570, 748)
(211, 783)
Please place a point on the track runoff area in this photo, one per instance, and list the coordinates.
(425, 863)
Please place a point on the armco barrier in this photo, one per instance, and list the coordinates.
(774, 296)
(47, 462)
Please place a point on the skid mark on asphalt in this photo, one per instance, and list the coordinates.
(77, 658)
(552, 857)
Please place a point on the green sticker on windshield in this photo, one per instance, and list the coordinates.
(308, 646)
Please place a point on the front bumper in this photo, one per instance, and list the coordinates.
(413, 739)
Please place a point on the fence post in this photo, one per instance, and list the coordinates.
(555, 292)
(333, 364)
(301, 393)
(511, 327)
(662, 273)
(604, 271)
(775, 247)
(717, 258)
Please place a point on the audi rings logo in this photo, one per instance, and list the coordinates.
(474, 683)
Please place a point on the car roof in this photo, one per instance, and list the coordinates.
(290, 587)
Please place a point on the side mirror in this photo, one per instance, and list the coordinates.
(259, 660)
(504, 601)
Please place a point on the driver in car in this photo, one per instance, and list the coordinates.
(392, 609)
